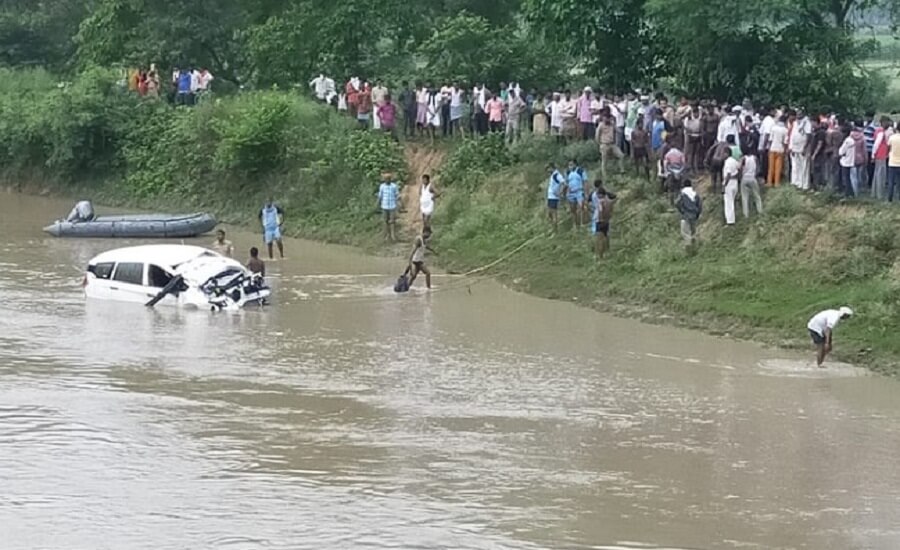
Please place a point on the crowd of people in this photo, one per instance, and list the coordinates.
(741, 147)
(187, 86)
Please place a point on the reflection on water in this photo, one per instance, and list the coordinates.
(345, 416)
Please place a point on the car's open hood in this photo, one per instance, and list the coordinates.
(201, 269)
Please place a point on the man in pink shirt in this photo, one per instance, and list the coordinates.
(494, 109)
(585, 114)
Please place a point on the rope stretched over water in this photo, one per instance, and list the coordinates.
(501, 259)
(464, 279)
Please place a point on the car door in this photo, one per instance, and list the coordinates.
(157, 279)
(127, 283)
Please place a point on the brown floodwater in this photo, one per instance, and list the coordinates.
(473, 417)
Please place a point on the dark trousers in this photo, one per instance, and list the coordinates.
(694, 152)
(481, 123)
(846, 187)
(445, 119)
(820, 169)
(496, 127)
(715, 175)
(587, 131)
(893, 182)
(409, 122)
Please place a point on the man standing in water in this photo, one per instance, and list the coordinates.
(821, 327)
(255, 265)
(221, 245)
(272, 218)
(417, 258)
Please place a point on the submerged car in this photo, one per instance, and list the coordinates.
(173, 274)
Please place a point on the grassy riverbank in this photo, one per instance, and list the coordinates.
(760, 280)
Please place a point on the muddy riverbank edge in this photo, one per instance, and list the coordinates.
(561, 267)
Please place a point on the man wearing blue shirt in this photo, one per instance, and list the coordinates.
(272, 219)
(656, 134)
(184, 95)
(554, 190)
(388, 200)
(575, 192)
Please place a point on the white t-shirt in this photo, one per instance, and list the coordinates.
(455, 97)
(195, 81)
(204, 79)
(596, 107)
(764, 130)
(778, 135)
(799, 138)
(732, 168)
(555, 109)
(824, 320)
(848, 153)
(622, 108)
(748, 172)
(727, 127)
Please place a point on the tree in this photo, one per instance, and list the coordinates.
(167, 32)
(611, 39)
(42, 36)
(802, 53)
(466, 48)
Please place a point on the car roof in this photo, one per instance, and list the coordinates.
(160, 254)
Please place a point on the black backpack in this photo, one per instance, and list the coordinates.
(402, 284)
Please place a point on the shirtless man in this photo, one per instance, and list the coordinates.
(640, 148)
(417, 258)
(221, 245)
(256, 266)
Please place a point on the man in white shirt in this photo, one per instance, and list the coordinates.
(798, 145)
(320, 86)
(765, 128)
(554, 110)
(195, 82)
(821, 328)
(379, 92)
(204, 80)
(731, 174)
(729, 125)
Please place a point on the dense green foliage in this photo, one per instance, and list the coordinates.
(762, 279)
(803, 53)
(227, 154)
(807, 53)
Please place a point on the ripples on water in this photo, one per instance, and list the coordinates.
(348, 417)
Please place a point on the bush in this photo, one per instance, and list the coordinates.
(582, 151)
(875, 230)
(531, 148)
(473, 159)
(224, 154)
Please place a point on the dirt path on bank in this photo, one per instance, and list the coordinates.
(420, 160)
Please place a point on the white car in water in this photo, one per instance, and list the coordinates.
(173, 274)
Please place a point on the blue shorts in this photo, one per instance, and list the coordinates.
(817, 338)
(552, 204)
(575, 198)
(272, 235)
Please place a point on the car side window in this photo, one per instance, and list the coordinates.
(127, 272)
(157, 277)
(102, 271)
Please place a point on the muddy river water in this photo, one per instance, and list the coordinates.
(344, 416)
